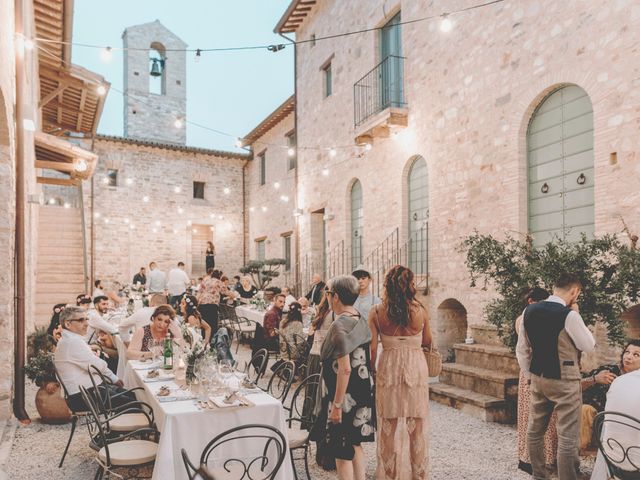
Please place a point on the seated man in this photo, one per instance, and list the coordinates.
(73, 357)
(595, 386)
(97, 319)
(266, 336)
(623, 397)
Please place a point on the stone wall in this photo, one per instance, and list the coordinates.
(270, 215)
(470, 95)
(130, 232)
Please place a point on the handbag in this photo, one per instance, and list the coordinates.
(434, 360)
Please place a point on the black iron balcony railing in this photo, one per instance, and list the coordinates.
(381, 88)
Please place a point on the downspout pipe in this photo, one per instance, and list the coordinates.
(19, 248)
(295, 175)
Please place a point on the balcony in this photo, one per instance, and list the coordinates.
(379, 103)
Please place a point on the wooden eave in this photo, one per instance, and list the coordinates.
(294, 16)
(53, 153)
(279, 114)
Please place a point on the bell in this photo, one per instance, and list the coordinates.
(156, 68)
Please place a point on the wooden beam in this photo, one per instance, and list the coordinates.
(83, 99)
(65, 182)
(53, 94)
(59, 166)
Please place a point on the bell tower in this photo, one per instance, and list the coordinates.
(155, 84)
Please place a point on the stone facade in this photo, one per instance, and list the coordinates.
(129, 232)
(470, 94)
(148, 115)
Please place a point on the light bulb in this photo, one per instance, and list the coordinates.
(126, 220)
(284, 198)
(129, 181)
(264, 209)
(158, 223)
(367, 146)
(67, 205)
(226, 190)
(81, 166)
(194, 230)
(106, 220)
(177, 123)
(251, 209)
(446, 24)
(175, 231)
(52, 201)
(106, 54)
(198, 52)
(212, 215)
(291, 151)
(332, 152)
(132, 226)
(276, 185)
(145, 199)
(180, 210)
(325, 172)
(97, 214)
(189, 222)
(238, 143)
(177, 189)
(154, 230)
(101, 90)
(105, 180)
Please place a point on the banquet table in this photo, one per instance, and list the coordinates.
(183, 425)
(250, 313)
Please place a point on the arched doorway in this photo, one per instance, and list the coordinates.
(560, 167)
(418, 215)
(451, 326)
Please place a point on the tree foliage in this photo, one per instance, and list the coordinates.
(262, 272)
(609, 270)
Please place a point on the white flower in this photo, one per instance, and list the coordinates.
(363, 372)
(348, 403)
(363, 415)
(358, 357)
(366, 430)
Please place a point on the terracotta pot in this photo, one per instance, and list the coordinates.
(51, 405)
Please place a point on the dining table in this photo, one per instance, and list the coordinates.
(183, 423)
(251, 313)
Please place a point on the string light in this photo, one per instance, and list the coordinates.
(189, 222)
(332, 152)
(264, 209)
(132, 226)
(291, 151)
(52, 201)
(368, 146)
(177, 189)
(154, 230)
(126, 220)
(284, 198)
(97, 214)
(105, 180)
(178, 123)
(145, 199)
(276, 185)
(106, 54)
(106, 220)
(325, 172)
(238, 142)
(81, 165)
(226, 190)
(212, 215)
(251, 209)
(197, 59)
(129, 181)
(158, 223)
(101, 90)
(194, 230)
(446, 24)
(180, 210)
(175, 231)
(67, 205)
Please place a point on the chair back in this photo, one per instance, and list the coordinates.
(194, 473)
(95, 426)
(262, 461)
(281, 380)
(122, 355)
(102, 395)
(303, 402)
(618, 437)
(259, 364)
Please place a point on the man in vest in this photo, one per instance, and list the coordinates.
(550, 340)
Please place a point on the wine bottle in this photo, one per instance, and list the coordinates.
(168, 353)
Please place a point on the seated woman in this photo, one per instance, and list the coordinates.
(144, 338)
(192, 317)
(291, 324)
(246, 290)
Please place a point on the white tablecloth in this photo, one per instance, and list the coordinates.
(182, 425)
(250, 313)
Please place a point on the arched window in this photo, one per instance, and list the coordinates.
(560, 167)
(418, 203)
(157, 73)
(356, 224)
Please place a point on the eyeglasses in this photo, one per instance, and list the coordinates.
(329, 292)
(83, 319)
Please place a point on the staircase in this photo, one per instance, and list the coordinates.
(60, 262)
(483, 380)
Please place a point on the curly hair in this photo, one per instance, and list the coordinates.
(164, 310)
(399, 295)
(321, 312)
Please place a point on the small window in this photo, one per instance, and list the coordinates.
(286, 252)
(198, 190)
(328, 80)
(263, 167)
(112, 177)
(291, 144)
(260, 254)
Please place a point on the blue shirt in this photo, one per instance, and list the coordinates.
(365, 303)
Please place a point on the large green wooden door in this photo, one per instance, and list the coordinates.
(418, 201)
(560, 167)
(356, 224)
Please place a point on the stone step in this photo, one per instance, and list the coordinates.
(485, 407)
(75, 285)
(487, 356)
(70, 248)
(481, 380)
(61, 234)
(486, 334)
(51, 298)
(60, 275)
(56, 264)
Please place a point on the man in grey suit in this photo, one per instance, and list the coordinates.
(550, 340)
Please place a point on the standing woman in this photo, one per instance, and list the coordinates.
(347, 403)
(402, 380)
(210, 257)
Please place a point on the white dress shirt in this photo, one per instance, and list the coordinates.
(177, 281)
(98, 322)
(138, 319)
(72, 359)
(623, 397)
(575, 327)
(156, 281)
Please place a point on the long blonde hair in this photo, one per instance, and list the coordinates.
(323, 309)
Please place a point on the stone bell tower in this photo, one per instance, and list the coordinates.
(155, 84)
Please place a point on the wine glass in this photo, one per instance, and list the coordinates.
(157, 349)
(225, 368)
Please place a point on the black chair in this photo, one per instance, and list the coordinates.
(259, 365)
(264, 466)
(281, 380)
(301, 412)
(297, 350)
(119, 450)
(622, 458)
(108, 396)
(75, 415)
(244, 328)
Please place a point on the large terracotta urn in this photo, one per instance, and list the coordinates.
(51, 405)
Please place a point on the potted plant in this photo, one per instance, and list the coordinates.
(39, 369)
(262, 273)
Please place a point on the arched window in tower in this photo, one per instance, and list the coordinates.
(157, 69)
(560, 167)
(418, 210)
(356, 224)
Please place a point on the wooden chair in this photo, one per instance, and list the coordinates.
(263, 466)
(618, 438)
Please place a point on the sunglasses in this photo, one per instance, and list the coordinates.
(329, 292)
(83, 319)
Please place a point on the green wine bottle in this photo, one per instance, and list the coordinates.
(168, 353)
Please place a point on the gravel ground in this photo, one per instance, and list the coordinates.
(461, 447)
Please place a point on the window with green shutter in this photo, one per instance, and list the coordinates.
(560, 167)
(418, 202)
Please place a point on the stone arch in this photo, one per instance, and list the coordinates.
(157, 55)
(450, 326)
(632, 322)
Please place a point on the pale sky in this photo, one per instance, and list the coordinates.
(228, 91)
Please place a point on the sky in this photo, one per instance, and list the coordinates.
(228, 91)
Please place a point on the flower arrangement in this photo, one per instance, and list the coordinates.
(194, 349)
(258, 301)
(39, 367)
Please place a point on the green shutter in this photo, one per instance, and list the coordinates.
(560, 167)
(356, 224)
(418, 202)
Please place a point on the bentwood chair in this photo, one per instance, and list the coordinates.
(131, 450)
(257, 366)
(75, 415)
(244, 329)
(265, 465)
(618, 438)
(301, 412)
(281, 380)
